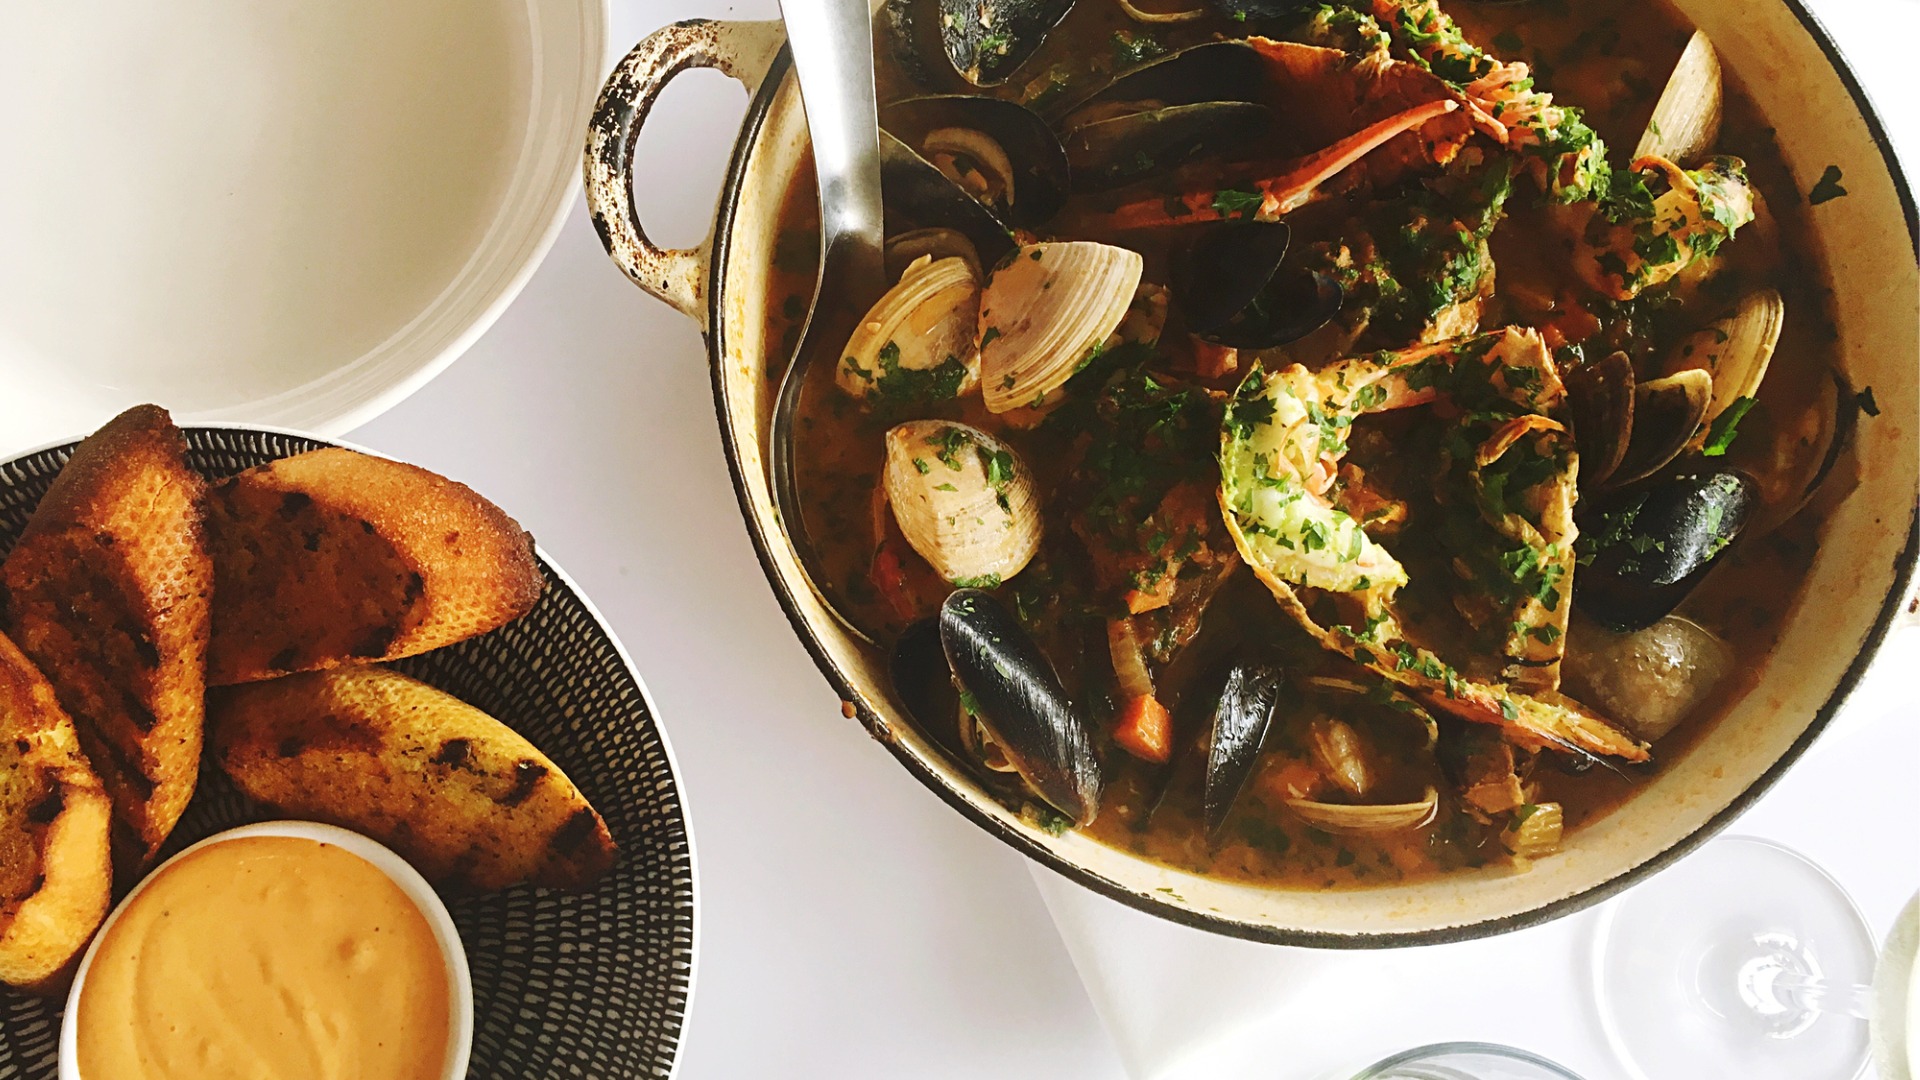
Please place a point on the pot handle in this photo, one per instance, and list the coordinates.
(743, 50)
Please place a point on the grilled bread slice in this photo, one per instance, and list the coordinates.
(108, 591)
(335, 557)
(55, 820)
(468, 801)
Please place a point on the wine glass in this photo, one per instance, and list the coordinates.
(1465, 1061)
(1743, 960)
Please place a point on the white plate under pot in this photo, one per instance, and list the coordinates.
(292, 213)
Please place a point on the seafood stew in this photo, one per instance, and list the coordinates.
(1296, 448)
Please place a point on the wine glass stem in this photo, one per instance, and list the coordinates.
(1816, 995)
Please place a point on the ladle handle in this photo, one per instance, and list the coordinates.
(743, 50)
(832, 43)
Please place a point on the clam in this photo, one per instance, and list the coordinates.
(1735, 350)
(1045, 313)
(1650, 679)
(998, 153)
(1686, 120)
(1352, 818)
(1017, 700)
(1802, 459)
(1649, 546)
(1232, 288)
(1667, 413)
(916, 345)
(1240, 723)
(963, 499)
(1342, 757)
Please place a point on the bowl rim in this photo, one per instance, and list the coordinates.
(692, 966)
(766, 536)
(526, 220)
(424, 899)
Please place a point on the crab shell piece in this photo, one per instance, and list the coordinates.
(963, 500)
(917, 341)
(1047, 311)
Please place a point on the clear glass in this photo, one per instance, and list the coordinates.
(1465, 1061)
(1745, 960)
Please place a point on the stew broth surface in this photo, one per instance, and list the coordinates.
(1608, 57)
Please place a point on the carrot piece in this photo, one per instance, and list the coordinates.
(1145, 729)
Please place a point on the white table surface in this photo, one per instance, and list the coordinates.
(850, 924)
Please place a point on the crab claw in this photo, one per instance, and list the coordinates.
(1279, 195)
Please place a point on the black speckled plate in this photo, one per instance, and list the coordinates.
(591, 984)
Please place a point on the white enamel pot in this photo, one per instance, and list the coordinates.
(1855, 597)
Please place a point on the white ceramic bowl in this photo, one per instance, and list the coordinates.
(293, 213)
(459, 979)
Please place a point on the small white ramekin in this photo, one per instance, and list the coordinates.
(459, 978)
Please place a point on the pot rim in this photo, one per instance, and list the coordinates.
(877, 726)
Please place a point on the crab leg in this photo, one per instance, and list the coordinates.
(1279, 195)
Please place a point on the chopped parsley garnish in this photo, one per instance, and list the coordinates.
(1725, 427)
(1827, 188)
(1230, 203)
(984, 581)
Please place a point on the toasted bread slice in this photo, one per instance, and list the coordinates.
(56, 871)
(335, 557)
(108, 591)
(468, 801)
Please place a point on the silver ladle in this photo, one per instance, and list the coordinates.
(832, 43)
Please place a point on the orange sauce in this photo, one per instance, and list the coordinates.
(267, 956)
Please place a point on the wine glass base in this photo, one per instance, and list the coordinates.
(1735, 962)
(1465, 1061)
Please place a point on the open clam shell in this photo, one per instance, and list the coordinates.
(916, 345)
(963, 499)
(1600, 396)
(1736, 350)
(1045, 313)
(1386, 817)
(1686, 120)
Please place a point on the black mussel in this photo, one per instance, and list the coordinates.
(911, 31)
(1115, 150)
(1232, 287)
(1211, 71)
(1240, 723)
(1017, 698)
(999, 153)
(1644, 548)
(1667, 412)
(1155, 117)
(988, 40)
(923, 683)
(1264, 10)
(919, 196)
(1600, 397)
